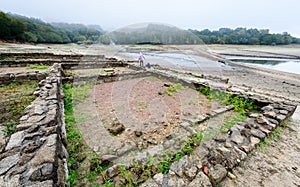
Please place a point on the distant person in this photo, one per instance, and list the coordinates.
(141, 59)
(148, 65)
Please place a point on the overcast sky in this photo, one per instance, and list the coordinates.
(276, 15)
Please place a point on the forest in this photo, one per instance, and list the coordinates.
(16, 28)
(23, 29)
(245, 36)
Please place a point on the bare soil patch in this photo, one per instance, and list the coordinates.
(150, 116)
(14, 98)
(101, 71)
(142, 105)
(17, 70)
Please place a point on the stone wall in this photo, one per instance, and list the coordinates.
(68, 61)
(22, 77)
(98, 79)
(209, 163)
(35, 154)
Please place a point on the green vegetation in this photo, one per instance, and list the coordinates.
(274, 136)
(108, 184)
(75, 142)
(151, 34)
(174, 88)
(153, 165)
(24, 29)
(80, 156)
(245, 36)
(186, 149)
(241, 105)
(81, 92)
(14, 98)
(230, 122)
(38, 67)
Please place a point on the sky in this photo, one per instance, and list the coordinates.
(277, 15)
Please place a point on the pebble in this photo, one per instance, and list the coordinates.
(231, 176)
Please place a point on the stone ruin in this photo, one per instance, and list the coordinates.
(35, 155)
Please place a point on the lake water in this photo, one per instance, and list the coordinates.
(178, 60)
(286, 65)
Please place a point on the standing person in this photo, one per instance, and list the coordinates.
(141, 59)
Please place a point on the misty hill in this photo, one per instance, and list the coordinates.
(24, 29)
(152, 33)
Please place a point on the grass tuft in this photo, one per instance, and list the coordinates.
(38, 67)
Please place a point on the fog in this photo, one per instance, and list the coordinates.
(278, 16)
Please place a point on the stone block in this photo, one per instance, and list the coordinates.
(8, 162)
(257, 133)
(15, 140)
(44, 172)
(150, 183)
(159, 178)
(47, 183)
(200, 180)
(217, 173)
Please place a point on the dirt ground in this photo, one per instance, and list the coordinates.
(18, 70)
(141, 105)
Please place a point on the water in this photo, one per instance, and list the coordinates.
(178, 60)
(286, 65)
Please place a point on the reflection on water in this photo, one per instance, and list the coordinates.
(178, 60)
(287, 65)
(255, 61)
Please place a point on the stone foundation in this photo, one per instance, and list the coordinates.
(22, 77)
(208, 164)
(36, 154)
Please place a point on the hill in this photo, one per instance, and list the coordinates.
(23, 29)
(152, 33)
(16, 28)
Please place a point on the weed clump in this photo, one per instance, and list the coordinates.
(240, 104)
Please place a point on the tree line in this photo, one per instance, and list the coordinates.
(23, 29)
(245, 36)
(152, 34)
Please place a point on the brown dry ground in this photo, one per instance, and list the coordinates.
(140, 105)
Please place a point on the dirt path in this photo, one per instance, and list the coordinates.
(276, 165)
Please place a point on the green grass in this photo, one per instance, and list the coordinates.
(108, 184)
(174, 88)
(230, 121)
(274, 136)
(73, 135)
(38, 67)
(186, 149)
(81, 92)
(14, 97)
(240, 104)
(152, 166)
(76, 146)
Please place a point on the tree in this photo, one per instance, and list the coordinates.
(24, 29)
